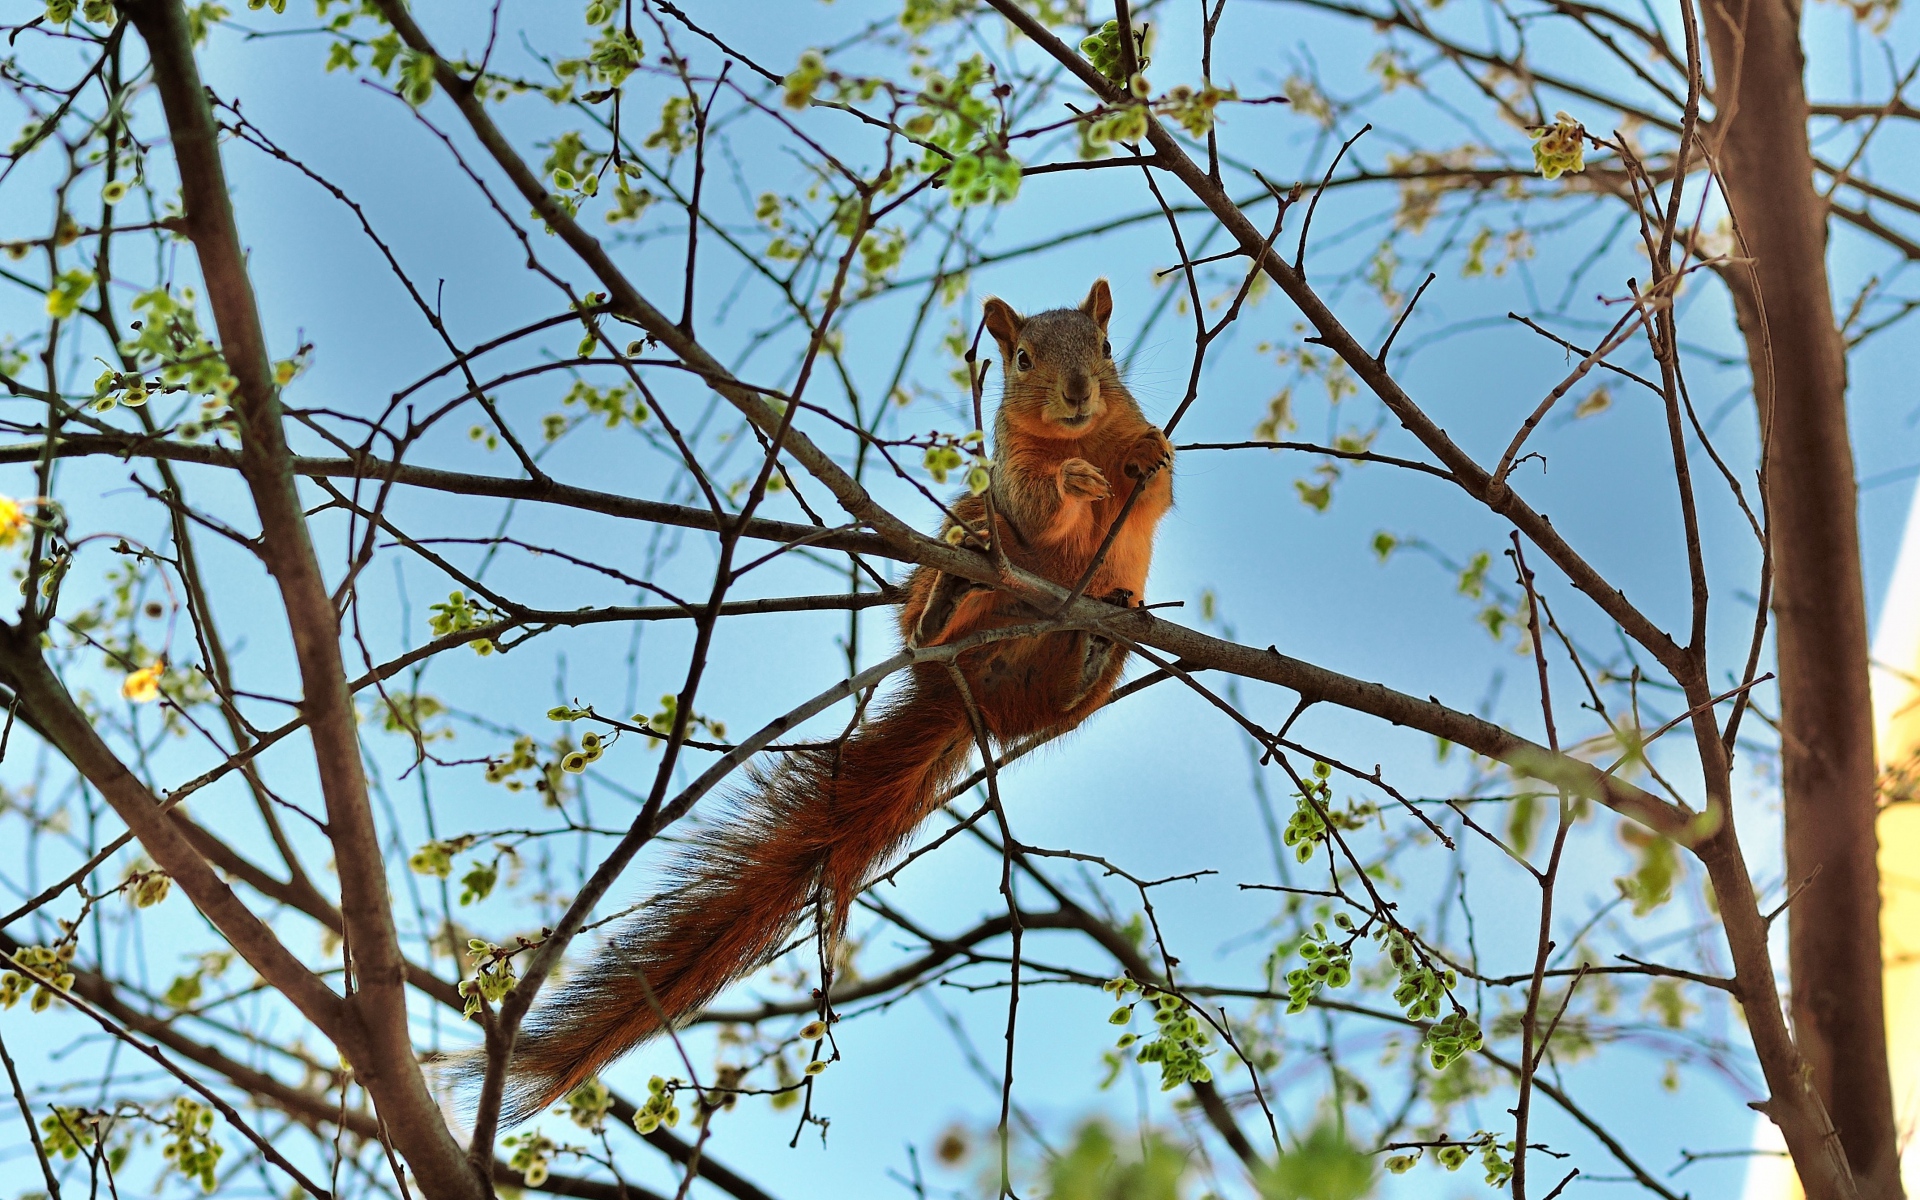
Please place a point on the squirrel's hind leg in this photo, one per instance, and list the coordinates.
(1097, 663)
(943, 601)
(1099, 657)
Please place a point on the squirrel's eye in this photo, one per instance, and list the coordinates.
(1106, 347)
(1023, 360)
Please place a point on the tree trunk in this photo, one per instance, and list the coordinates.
(1759, 139)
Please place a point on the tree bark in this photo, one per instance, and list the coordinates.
(373, 1030)
(1820, 624)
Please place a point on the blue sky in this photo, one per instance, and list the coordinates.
(1160, 785)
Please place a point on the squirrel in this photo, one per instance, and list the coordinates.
(1070, 446)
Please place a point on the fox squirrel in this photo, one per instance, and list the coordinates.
(1070, 445)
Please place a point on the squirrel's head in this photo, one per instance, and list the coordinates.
(1057, 364)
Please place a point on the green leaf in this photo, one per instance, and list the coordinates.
(1322, 1167)
(477, 883)
(1099, 1166)
(1651, 883)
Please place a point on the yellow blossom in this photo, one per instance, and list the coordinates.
(144, 685)
(1560, 147)
(13, 521)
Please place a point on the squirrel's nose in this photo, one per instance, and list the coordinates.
(1078, 389)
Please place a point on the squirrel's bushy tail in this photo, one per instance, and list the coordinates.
(810, 831)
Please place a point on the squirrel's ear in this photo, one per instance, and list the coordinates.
(1099, 304)
(1004, 324)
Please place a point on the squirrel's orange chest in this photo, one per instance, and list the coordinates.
(1126, 564)
(1131, 555)
(1079, 528)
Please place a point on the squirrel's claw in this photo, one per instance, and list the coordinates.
(1153, 452)
(1082, 479)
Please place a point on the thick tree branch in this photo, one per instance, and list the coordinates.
(376, 1036)
(1799, 1113)
(73, 735)
(461, 484)
(1828, 776)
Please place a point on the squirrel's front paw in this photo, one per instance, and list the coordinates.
(1151, 452)
(1081, 479)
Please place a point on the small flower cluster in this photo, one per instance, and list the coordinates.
(185, 990)
(678, 126)
(985, 178)
(1307, 827)
(436, 859)
(573, 186)
(68, 290)
(148, 888)
(532, 1155)
(961, 126)
(617, 405)
(1329, 963)
(587, 1105)
(66, 1132)
(524, 758)
(493, 974)
(1314, 815)
(142, 686)
(459, 614)
(1560, 148)
(1125, 124)
(799, 85)
(477, 883)
(659, 1108)
(1279, 420)
(190, 1146)
(408, 713)
(1419, 994)
(102, 1134)
(1180, 1046)
(1451, 1037)
(1103, 46)
(51, 963)
(662, 721)
(168, 336)
(114, 388)
(99, 12)
(1658, 868)
(1421, 988)
(613, 56)
(1193, 110)
(948, 454)
(881, 250)
(1453, 1155)
(592, 746)
(629, 202)
(15, 523)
